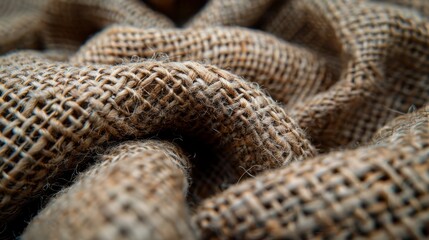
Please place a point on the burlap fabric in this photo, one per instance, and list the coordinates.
(115, 213)
(262, 119)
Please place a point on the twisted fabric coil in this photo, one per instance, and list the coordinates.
(260, 119)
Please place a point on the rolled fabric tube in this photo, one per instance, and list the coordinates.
(136, 191)
(289, 73)
(51, 110)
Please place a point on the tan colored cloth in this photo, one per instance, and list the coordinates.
(255, 119)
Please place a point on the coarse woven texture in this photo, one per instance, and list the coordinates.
(52, 110)
(145, 183)
(379, 191)
(250, 119)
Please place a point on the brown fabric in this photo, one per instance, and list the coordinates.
(20, 22)
(134, 205)
(383, 52)
(230, 12)
(293, 75)
(323, 105)
(71, 109)
(68, 23)
(379, 191)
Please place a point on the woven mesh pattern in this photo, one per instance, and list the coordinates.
(292, 75)
(119, 212)
(379, 191)
(383, 67)
(74, 109)
(312, 124)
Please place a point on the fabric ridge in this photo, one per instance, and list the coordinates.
(215, 119)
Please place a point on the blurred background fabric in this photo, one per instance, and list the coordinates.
(218, 119)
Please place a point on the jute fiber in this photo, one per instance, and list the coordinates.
(247, 119)
(109, 192)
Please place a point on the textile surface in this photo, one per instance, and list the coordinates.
(218, 119)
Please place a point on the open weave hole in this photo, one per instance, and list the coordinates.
(343, 77)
